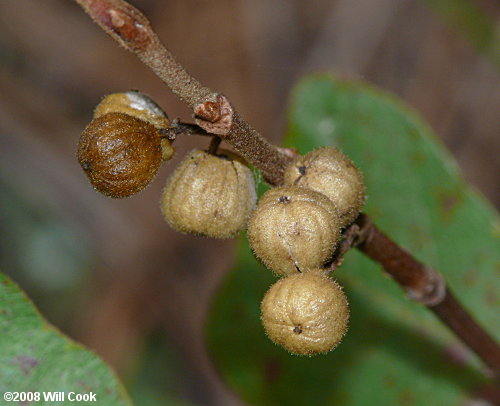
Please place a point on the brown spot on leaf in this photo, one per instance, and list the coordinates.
(470, 277)
(406, 398)
(491, 297)
(272, 370)
(389, 381)
(448, 203)
(26, 364)
(86, 387)
(417, 157)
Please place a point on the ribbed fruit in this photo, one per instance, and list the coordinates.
(120, 154)
(305, 313)
(210, 195)
(141, 106)
(293, 229)
(327, 170)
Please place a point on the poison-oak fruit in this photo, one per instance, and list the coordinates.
(134, 104)
(120, 154)
(293, 229)
(141, 106)
(327, 170)
(210, 195)
(306, 313)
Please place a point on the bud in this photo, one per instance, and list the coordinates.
(305, 313)
(120, 154)
(211, 195)
(141, 106)
(293, 229)
(330, 172)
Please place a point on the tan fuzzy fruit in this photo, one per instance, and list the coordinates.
(210, 195)
(120, 154)
(327, 170)
(293, 229)
(141, 106)
(305, 313)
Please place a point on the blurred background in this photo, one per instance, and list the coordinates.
(110, 273)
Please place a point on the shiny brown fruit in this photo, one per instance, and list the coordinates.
(305, 313)
(134, 104)
(293, 229)
(328, 171)
(138, 105)
(120, 154)
(210, 195)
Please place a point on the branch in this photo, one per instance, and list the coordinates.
(132, 30)
(215, 115)
(422, 284)
(213, 111)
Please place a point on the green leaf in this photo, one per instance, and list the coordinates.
(35, 357)
(396, 351)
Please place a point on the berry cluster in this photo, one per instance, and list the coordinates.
(293, 230)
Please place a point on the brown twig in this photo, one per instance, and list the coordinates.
(458, 320)
(424, 285)
(215, 115)
(131, 29)
(177, 128)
